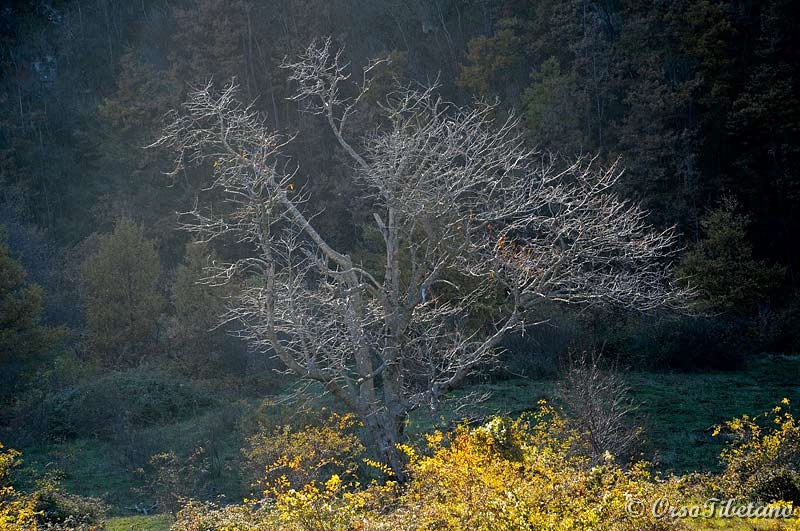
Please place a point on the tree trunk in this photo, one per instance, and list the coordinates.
(386, 429)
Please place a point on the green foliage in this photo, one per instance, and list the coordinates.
(126, 120)
(199, 339)
(172, 480)
(207, 41)
(684, 343)
(722, 267)
(549, 109)
(22, 333)
(121, 294)
(763, 458)
(143, 95)
(494, 60)
(117, 402)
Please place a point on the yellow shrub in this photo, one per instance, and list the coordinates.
(516, 475)
(506, 475)
(17, 512)
(288, 458)
(763, 459)
(532, 473)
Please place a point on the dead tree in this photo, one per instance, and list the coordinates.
(467, 213)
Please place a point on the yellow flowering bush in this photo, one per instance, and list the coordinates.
(526, 474)
(287, 458)
(763, 459)
(508, 474)
(334, 506)
(17, 512)
(530, 473)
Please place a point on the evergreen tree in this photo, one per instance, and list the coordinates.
(195, 329)
(121, 295)
(22, 333)
(721, 265)
(550, 116)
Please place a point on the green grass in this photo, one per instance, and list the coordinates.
(156, 522)
(677, 410)
(681, 410)
(109, 469)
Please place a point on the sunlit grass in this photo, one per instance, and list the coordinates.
(155, 522)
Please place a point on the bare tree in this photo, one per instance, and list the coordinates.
(467, 213)
(599, 401)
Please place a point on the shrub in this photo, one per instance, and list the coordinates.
(539, 351)
(17, 512)
(686, 343)
(196, 516)
(781, 484)
(523, 474)
(171, 480)
(55, 507)
(505, 475)
(787, 337)
(515, 474)
(120, 401)
(286, 457)
(47, 507)
(599, 403)
(762, 461)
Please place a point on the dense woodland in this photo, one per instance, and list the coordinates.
(110, 344)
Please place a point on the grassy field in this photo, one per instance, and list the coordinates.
(678, 412)
(156, 522)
